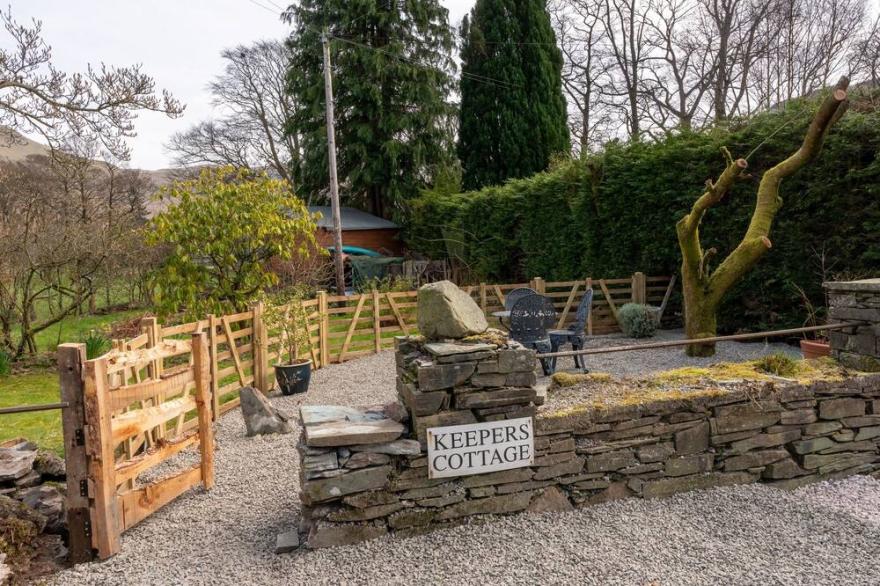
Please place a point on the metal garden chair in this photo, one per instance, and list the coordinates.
(515, 295)
(574, 335)
(530, 318)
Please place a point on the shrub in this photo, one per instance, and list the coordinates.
(5, 363)
(636, 320)
(778, 363)
(96, 343)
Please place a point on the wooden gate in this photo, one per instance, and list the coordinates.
(125, 418)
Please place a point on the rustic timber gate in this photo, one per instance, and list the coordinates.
(125, 417)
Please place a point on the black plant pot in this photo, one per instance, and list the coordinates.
(293, 378)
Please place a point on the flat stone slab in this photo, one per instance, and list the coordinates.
(346, 433)
(402, 447)
(15, 463)
(450, 349)
(286, 542)
(313, 414)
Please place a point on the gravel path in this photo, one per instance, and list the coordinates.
(827, 533)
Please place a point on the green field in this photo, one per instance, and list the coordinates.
(41, 427)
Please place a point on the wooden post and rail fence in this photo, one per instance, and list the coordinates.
(156, 394)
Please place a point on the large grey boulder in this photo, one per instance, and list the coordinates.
(260, 417)
(445, 311)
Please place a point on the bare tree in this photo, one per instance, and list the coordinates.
(625, 24)
(682, 66)
(865, 56)
(251, 134)
(100, 104)
(580, 34)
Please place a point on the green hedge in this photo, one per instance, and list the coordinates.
(615, 214)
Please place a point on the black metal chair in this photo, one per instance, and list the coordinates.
(530, 318)
(515, 295)
(575, 335)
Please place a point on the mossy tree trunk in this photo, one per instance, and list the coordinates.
(704, 288)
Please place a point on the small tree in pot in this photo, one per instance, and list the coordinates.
(290, 321)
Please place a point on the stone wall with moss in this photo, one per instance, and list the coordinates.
(857, 302)
(601, 440)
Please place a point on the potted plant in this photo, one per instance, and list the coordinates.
(816, 346)
(290, 321)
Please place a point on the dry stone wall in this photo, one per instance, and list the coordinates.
(858, 302)
(365, 472)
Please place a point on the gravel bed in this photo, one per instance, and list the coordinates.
(827, 533)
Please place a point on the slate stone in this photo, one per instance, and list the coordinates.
(421, 403)
(442, 419)
(562, 469)
(48, 501)
(370, 499)
(867, 433)
(860, 446)
(551, 500)
(759, 407)
(30, 479)
(798, 417)
(521, 379)
(732, 424)
(345, 433)
(15, 463)
(492, 505)
(844, 435)
(401, 447)
(754, 460)
(840, 408)
(411, 518)
(694, 464)
(783, 469)
(443, 376)
(316, 491)
(286, 542)
(319, 463)
(489, 380)
(445, 311)
(365, 513)
(692, 440)
(49, 465)
(521, 360)
(502, 477)
(553, 459)
(479, 492)
(765, 440)
(429, 491)
(493, 398)
(364, 459)
(822, 428)
(521, 486)
(812, 445)
(837, 462)
(591, 484)
(611, 461)
(614, 492)
(866, 421)
(441, 501)
(669, 486)
(322, 535)
(314, 414)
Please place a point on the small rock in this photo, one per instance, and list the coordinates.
(49, 465)
(15, 463)
(260, 417)
(286, 542)
(551, 500)
(49, 502)
(445, 311)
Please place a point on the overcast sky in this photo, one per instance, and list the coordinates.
(177, 41)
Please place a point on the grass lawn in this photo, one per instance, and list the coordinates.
(75, 328)
(41, 427)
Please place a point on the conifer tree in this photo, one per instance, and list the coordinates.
(392, 75)
(513, 114)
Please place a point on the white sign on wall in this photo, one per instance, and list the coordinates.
(477, 448)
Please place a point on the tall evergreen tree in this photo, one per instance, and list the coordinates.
(512, 118)
(392, 75)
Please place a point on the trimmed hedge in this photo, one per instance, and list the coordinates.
(615, 214)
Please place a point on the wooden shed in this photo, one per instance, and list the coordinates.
(360, 229)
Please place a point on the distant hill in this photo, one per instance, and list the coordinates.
(16, 148)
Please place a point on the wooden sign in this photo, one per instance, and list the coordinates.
(478, 448)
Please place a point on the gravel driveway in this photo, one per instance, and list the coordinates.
(826, 533)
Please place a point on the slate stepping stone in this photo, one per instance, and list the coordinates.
(346, 433)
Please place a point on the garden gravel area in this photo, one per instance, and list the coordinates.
(827, 533)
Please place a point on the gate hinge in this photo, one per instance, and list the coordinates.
(84, 487)
(79, 437)
(87, 527)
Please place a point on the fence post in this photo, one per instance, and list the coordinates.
(70, 373)
(483, 297)
(639, 292)
(259, 347)
(151, 327)
(101, 459)
(377, 323)
(215, 384)
(540, 286)
(323, 331)
(203, 401)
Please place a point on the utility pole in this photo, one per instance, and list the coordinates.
(331, 155)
